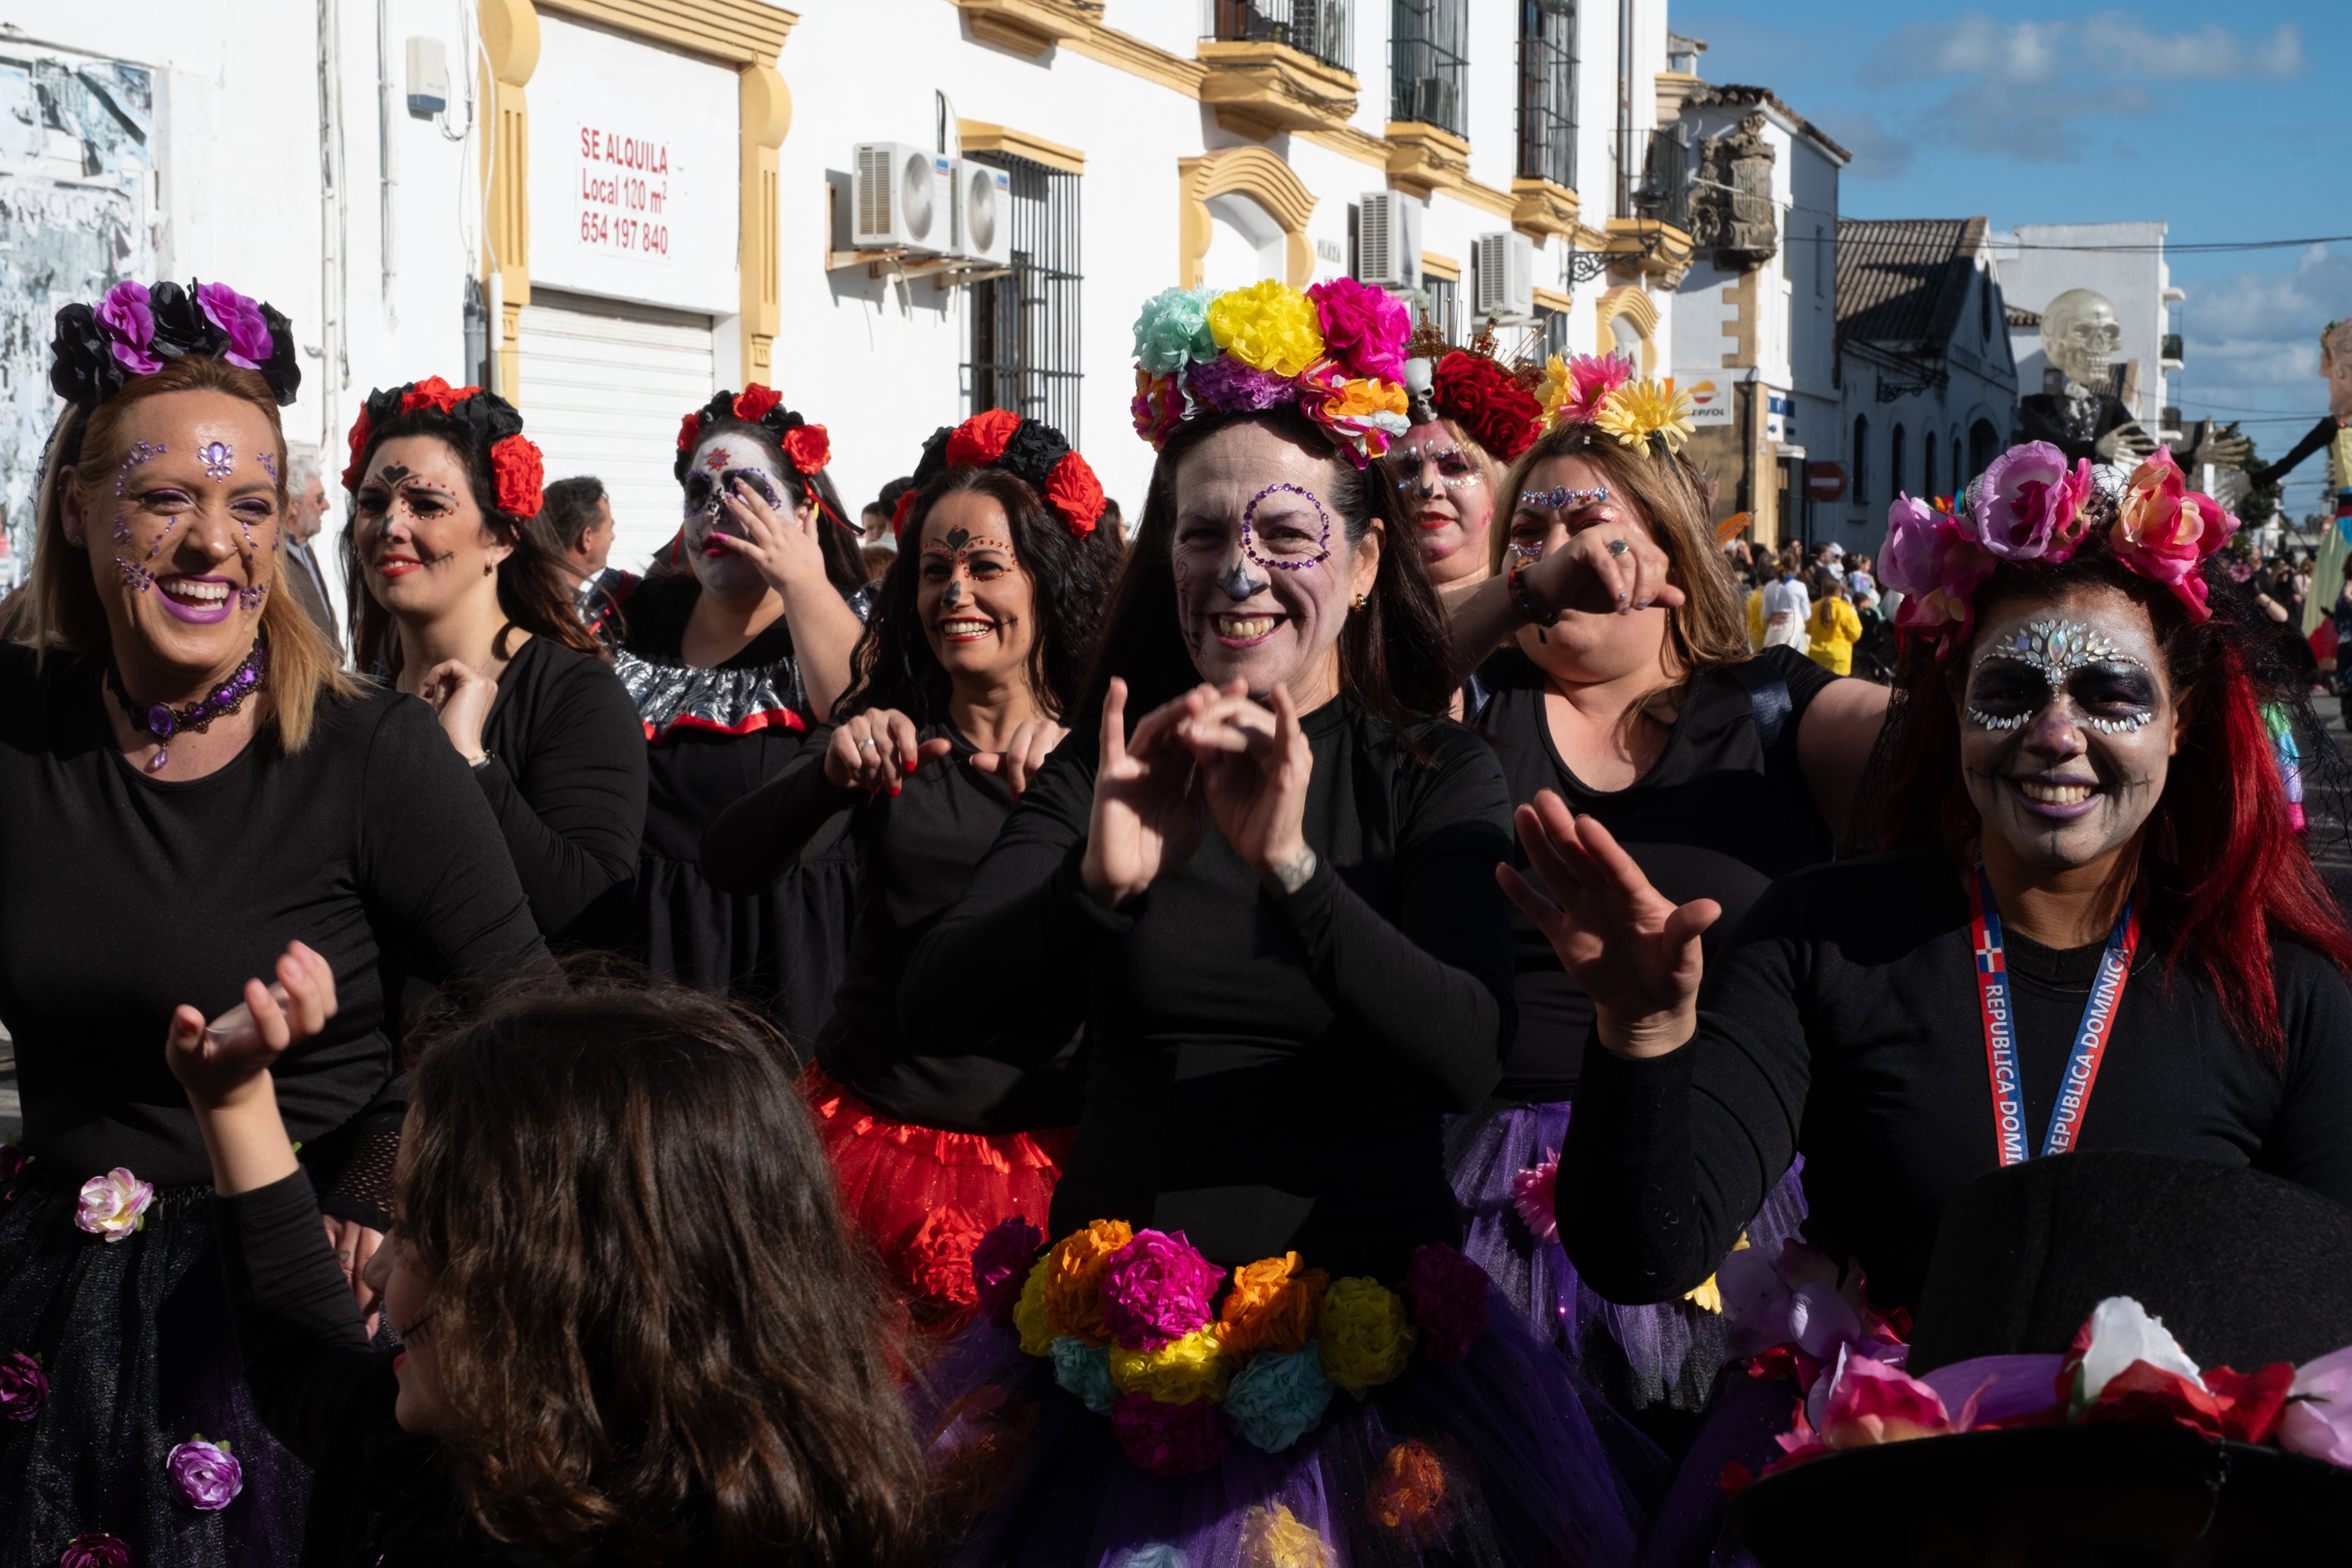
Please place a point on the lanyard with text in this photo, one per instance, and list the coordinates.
(2000, 1027)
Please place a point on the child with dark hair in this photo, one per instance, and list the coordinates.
(973, 654)
(632, 1328)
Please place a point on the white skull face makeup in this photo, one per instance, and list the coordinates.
(725, 459)
(2067, 724)
(1445, 496)
(974, 597)
(1264, 570)
(182, 553)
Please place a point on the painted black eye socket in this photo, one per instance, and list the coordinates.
(757, 481)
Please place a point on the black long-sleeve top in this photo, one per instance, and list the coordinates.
(566, 778)
(378, 1495)
(1844, 1024)
(916, 851)
(1266, 1074)
(123, 895)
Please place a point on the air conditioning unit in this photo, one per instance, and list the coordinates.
(1388, 240)
(983, 212)
(902, 196)
(1506, 286)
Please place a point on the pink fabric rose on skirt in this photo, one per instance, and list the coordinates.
(205, 1475)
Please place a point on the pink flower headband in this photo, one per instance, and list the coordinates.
(2028, 506)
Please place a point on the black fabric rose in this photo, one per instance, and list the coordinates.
(82, 368)
(935, 457)
(180, 325)
(1032, 452)
(283, 371)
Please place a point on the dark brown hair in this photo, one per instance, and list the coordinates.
(534, 592)
(656, 1340)
(894, 665)
(1393, 653)
(60, 608)
(567, 510)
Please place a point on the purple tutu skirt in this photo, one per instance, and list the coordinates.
(1665, 1353)
(1489, 1461)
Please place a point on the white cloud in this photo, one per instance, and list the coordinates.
(2110, 47)
(1878, 153)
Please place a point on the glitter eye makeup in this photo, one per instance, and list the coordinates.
(1414, 459)
(218, 458)
(2062, 655)
(140, 452)
(1560, 499)
(957, 545)
(1279, 563)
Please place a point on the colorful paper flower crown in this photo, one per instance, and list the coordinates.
(2029, 506)
(1143, 1329)
(1029, 449)
(135, 328)
(1602, 391)
(1336, 353)
(477, 420)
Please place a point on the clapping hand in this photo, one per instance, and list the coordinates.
(1146, 819)
(876, 750)
(1254, 769)
(1634, 950)
(1032, 740)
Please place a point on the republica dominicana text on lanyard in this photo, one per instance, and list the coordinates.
(2000, 1027)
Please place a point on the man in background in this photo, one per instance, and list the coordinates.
(575, 525)
(304, 580)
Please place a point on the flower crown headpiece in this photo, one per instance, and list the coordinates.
(2029, 506)
(1494, 403)
(1029, 449)
(806, 447)
(134, 329)
(483, 420)
(1336, 353)
(1602, 390)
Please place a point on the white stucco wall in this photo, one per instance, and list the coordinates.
(2134, 281)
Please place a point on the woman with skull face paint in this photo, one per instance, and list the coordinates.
(2095, 917)
(974, 653)
(190, 783)
(1271, 905)
(465, 608)
(1470, 420)
(736, 644)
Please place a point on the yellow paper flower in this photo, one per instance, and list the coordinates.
(1558, 386)
(1029, 1313)
(1074, 1272)
(1364, 1338)
(1269, 326)
(1641, 409)
(1277, 1538)
(1707, 1295)
(1194, 1367)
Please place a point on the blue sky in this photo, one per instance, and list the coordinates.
(2228, 122)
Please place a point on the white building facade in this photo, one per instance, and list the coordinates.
(2124, 261)
(606, 209)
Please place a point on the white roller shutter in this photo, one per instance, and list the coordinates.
(604, 385)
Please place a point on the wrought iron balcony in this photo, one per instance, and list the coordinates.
(1322, 30)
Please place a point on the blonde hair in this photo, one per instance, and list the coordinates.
(1709, 629)
(61, 609)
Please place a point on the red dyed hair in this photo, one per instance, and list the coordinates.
(2243, 877)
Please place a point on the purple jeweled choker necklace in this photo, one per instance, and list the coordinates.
(162, 720)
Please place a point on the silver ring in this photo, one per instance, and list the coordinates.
(863, 744)
(1618, 547)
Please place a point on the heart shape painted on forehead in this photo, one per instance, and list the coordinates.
(958, 538)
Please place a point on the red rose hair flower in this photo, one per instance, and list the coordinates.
(688, 428)
(982, 439)
(806, 447)
(520, 469)
(1500, 415)
(752, 403)
(435, 394)
(359, 431)
(1073, 490)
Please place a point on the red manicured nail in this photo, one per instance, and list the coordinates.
(911, 765)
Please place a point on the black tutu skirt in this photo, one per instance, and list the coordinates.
(135, 1341)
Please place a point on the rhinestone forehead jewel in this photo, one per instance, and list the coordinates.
(2057, 648)
(1557, 498)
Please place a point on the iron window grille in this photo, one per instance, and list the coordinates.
(1553, 326)
(1320, 29)
(1444, 307)
(1025, 323)
(1653, 177)
(1429, 67)
(1548, 91)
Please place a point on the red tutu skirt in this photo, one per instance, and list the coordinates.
(923, 1196)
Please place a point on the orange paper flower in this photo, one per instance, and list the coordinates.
(1409, 1494)
(1073, 1274)
(1273, 1305)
